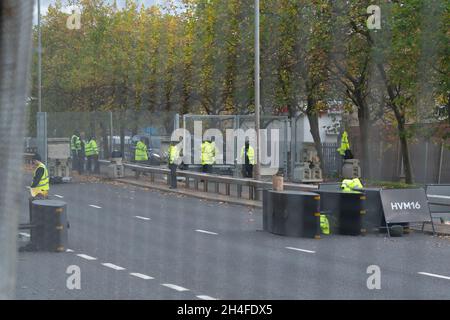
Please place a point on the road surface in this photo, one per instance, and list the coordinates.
(132, 243)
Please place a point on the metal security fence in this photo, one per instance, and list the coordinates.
(332, 161)
(230, 131)
(113, 130)
(89, 124)
(155, 127)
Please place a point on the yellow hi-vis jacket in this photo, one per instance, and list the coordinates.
(208, 153)
(324, 224)
(44, 184)
(345, 145)
(75, 143)
(91, 148)
(140, 153)
(351, 185)
(250, 154)
(173, 154)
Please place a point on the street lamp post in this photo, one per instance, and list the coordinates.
(257, 92)
(39, 57)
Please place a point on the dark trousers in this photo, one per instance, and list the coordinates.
(207, 168)
(173, 175)
(74, 160)
(92, 164)
(81, 163)
(248, 170)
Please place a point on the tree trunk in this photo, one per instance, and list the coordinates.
(314, 129)
(448, 109)
(405, 152)
(122, 140)
(364, 132)
(104, 133)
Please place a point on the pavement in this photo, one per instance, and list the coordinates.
(130, 242)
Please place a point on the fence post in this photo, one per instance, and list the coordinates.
(440, 162)
(41, 135)
(111, 149)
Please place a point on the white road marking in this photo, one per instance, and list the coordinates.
(69, 250)
(142, 276)
(302, 250)
(434, 275)
(206, 297)
(58, 196)
(438, 196)
(142, 218)
(175, 287)
(207, 232)
(23, 234)
(93, 206)
(85, 256)
(112, 266)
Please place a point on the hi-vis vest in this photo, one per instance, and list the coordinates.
(91, 148)
(75, 143)
(44, 183)
(324, 224)
(345, 145)
(250, 154)
(208, 151)
(173, 154)
(141, 152)
(349, 185)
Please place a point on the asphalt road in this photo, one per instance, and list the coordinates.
(132, 243)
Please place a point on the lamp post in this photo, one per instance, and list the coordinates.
(39, 57)
(257, 93)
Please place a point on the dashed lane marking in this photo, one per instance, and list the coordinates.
(142, 218)
(94, 206)
(298, 249)
(85, 256)
(142, 276)
(207, 232)
(113, 266)
(174, 287)
(434, 275)
(203, 297)
(58, 196)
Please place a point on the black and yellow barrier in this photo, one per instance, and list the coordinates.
(345, 211)
(291, 213)
(48, 225)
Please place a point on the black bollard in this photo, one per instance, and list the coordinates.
(50, 231)
(291, 213)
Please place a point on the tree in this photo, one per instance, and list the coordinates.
(351, 65)
(397, 52)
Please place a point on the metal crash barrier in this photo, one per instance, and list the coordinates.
(439, 200)
(213, 183)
